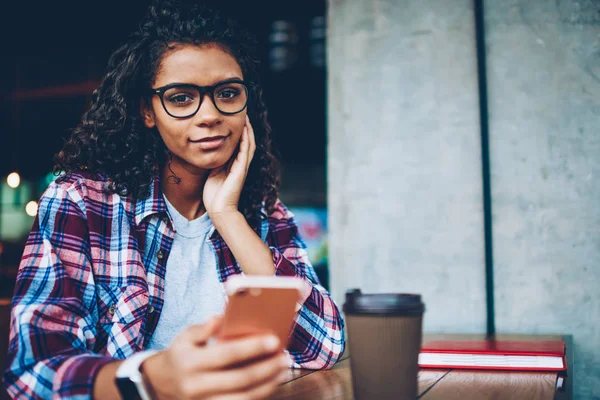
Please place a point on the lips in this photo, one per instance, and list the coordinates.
(210, 143)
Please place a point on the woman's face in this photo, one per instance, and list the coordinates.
(209, 138)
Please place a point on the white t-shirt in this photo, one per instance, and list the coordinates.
(193, 292)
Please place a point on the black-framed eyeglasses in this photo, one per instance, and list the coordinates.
(182, 100)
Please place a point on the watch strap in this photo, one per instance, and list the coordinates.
(129, 378)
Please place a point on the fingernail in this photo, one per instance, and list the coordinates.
(285, 361)
(271, 343)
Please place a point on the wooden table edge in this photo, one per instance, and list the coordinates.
(312, 371)
(433, 384)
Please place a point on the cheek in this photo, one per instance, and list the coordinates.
(171, 135)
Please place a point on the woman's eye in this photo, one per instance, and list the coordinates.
(228, 94)
(182, 98)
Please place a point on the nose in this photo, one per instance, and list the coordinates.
(207, 114)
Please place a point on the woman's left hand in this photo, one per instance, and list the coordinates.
(224, 185)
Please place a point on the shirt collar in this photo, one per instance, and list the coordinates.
(153, 204)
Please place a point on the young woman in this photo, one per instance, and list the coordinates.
(169, 189)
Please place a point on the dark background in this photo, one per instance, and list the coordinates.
(55, 53)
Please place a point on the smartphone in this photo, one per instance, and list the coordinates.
(261, 305)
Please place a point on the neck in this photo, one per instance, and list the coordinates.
(185, 196)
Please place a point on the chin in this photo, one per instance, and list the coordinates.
(212, 162)
(212, 165)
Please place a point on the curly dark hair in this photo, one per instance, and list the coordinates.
(113, 141)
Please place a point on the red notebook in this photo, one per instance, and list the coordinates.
(494, 354)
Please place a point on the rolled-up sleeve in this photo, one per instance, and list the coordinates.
(317, 340)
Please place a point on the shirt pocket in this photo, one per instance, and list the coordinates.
(121, 312)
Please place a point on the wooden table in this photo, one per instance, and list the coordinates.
(446, 384)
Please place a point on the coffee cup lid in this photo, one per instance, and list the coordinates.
(398, 304)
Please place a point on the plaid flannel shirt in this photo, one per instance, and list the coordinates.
(90, 288)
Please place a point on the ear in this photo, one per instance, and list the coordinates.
(147, 114)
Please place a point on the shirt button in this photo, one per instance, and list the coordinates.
(165, 219)
(150, 309)
(160, 255)
(112, 309)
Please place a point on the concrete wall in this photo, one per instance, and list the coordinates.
(544, 91)
(404, 184)
(404, 163)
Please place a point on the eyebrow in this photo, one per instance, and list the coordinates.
(230, 80)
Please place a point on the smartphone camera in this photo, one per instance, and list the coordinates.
(252, 291)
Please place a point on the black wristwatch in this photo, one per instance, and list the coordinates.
(129, 378)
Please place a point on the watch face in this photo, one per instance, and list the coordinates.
(127, 389)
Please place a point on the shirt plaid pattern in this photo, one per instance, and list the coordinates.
(91, 280)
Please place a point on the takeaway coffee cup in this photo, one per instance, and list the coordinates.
(384, 337)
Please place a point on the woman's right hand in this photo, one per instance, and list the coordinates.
(248, 368)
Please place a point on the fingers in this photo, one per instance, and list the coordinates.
(246, 149)
(237, 164)
(258, 392)
(248, 368)
(242, 150)
(229, 353)
(252, 140)
(244, 379)
(244, 145)
(199, 334)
